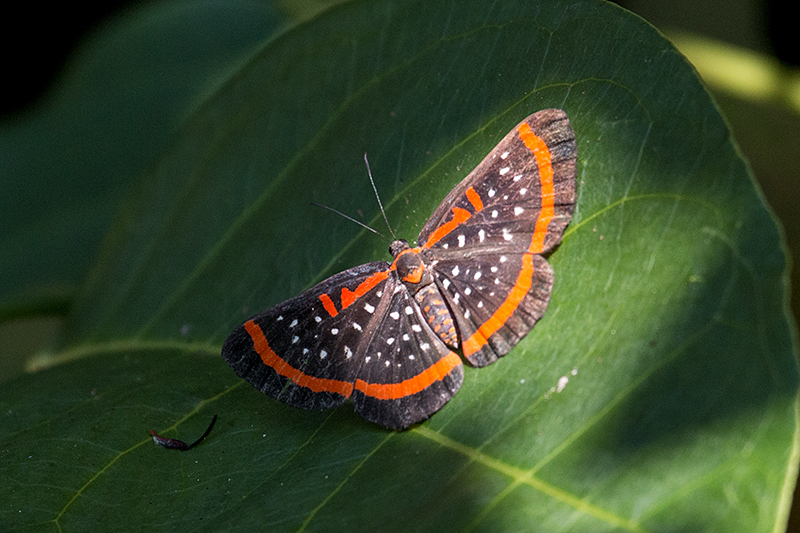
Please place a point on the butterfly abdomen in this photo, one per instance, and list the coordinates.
(437, 314)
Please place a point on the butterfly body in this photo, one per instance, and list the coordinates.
(383, 334)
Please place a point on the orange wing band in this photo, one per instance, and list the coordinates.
(381, 391)
(459, 217)
(474, 199)
(271, 359)
(328, 304)
(423, 380)
(541, 152)
(349, 297)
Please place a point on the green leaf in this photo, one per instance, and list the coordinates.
(658, 393)
(69, 163)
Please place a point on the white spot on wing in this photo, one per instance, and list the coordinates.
(293, 324)
(394, 314)
(494, 213)
(504, 171)
(461, 240)
(357, 326)
(408, 310)
(518, 211)
(481, 235)
(295, 339)
(477, 275)
(348, 352)
(491, 193)
(335, 331)
(323, 354)
(368, 308)
(455, 271)
(504, 155)
(506, 235)
(416, 328)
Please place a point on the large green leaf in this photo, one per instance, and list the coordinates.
(658, 393)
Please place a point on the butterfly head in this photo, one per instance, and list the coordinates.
(398, 246)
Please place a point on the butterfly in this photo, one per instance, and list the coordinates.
(386, 335)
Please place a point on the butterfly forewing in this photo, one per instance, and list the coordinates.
(304, 351)
(530, 175)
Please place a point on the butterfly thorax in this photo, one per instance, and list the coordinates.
(418, 279)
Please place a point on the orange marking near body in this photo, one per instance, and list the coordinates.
(328, 304)
(348, 296)
(459, 217)
(541, 152)
(271, 359)
(474, 199)
(423, 380)
(415, 276)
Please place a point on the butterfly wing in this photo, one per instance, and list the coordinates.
(407, 373)
(512, 207)
(304, 351)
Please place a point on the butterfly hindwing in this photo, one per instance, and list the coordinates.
(495, 300)
(407, 373)
(304, 351)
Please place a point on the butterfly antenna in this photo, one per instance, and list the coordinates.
(378, 197)
(351, 219)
